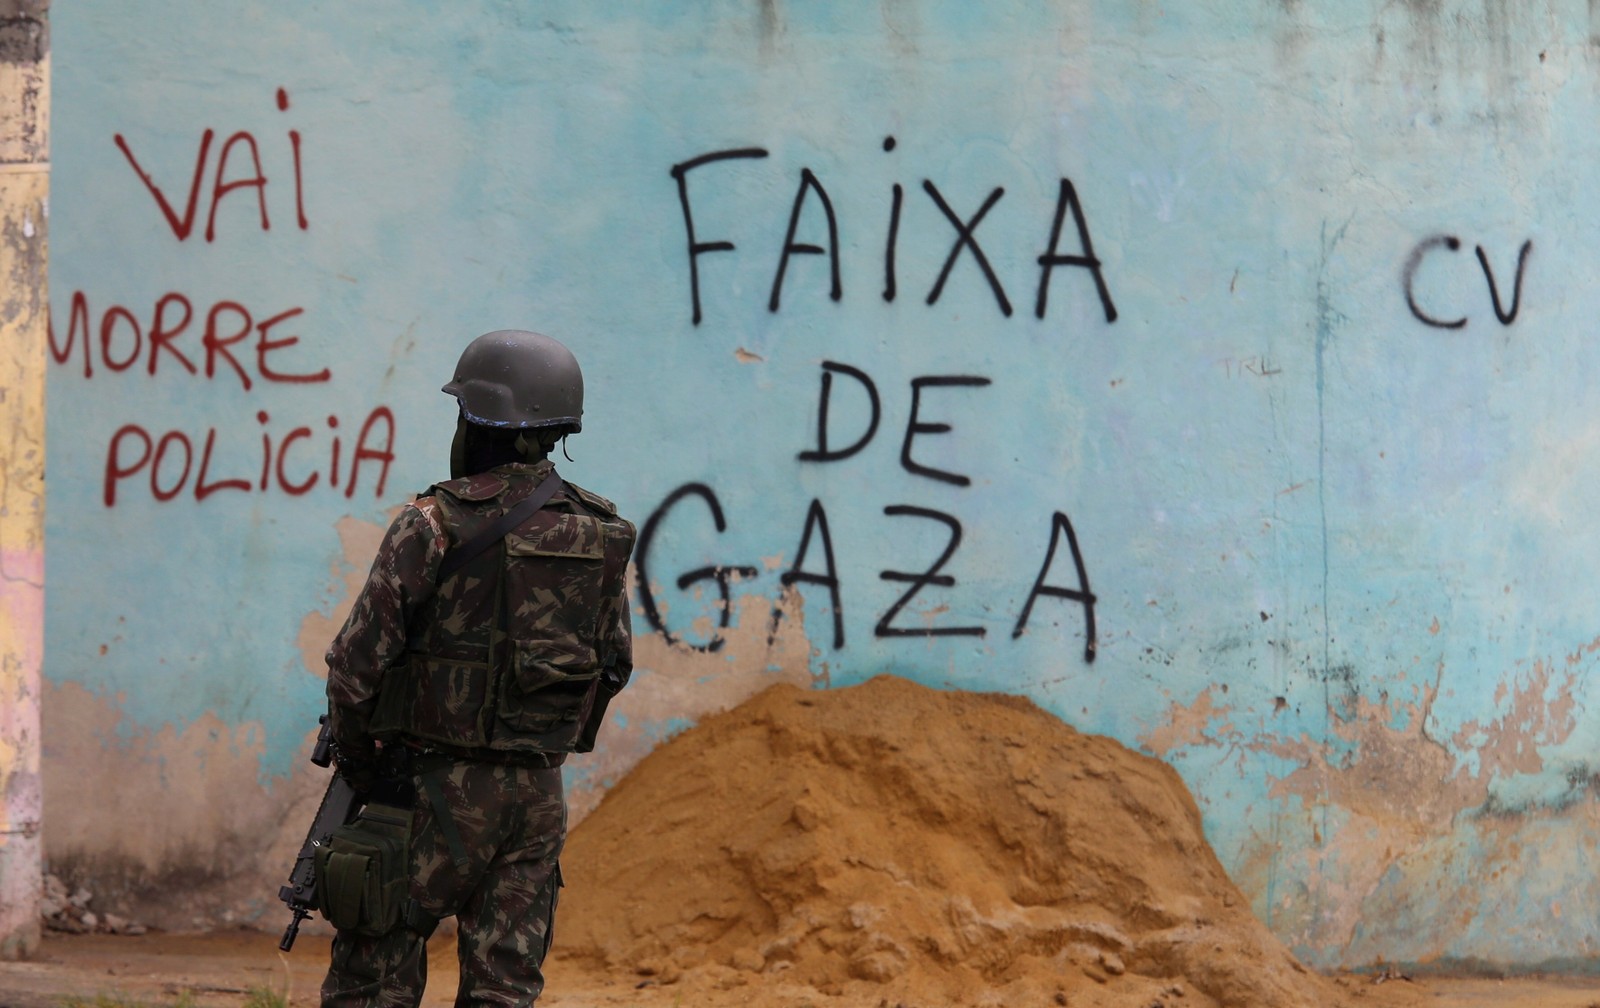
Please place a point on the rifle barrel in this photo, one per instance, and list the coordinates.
(291, 932)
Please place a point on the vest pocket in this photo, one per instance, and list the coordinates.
(440, 699)
(547, 691)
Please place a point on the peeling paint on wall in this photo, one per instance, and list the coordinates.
(24, 314)
(21, 631)
(24, 87)
(1380, 810)
(358, 544)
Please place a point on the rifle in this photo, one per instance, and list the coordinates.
(339, 805)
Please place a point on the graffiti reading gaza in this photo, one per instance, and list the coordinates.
(224, 341)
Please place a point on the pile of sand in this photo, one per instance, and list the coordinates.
(896, 843)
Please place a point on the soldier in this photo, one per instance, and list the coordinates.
(490, 634)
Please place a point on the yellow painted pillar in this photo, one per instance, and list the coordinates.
(24, 318)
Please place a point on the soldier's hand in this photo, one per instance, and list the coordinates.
(362, 774)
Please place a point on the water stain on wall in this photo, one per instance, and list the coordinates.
(185, 811)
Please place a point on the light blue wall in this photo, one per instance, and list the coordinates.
(1341, 557)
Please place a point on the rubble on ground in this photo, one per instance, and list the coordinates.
(68, 912)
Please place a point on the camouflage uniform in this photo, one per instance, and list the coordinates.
(487, 680)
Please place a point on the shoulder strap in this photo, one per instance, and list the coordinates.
(461, 554)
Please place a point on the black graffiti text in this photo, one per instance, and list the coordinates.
(916, 426)
(1428, 315)
(966, 243)
(816, 565)
(815, 558)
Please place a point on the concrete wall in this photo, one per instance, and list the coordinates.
(24, 316)
(1216, 374)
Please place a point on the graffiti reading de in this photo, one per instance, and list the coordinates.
(226, 341)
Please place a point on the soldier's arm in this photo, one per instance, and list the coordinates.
(616, 622)
(374, 635)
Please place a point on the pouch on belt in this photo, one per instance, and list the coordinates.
(363, 872)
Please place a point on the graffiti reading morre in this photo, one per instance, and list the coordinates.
(227, 341)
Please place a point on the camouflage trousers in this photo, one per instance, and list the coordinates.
(485, 839)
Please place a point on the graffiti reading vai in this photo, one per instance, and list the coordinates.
(224, 181)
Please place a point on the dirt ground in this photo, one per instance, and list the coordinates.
(884, 845)
(222, 970)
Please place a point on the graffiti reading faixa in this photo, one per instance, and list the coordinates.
(811, 196)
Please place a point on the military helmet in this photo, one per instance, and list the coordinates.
(513, 379)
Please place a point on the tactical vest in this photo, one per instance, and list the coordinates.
(506, 655)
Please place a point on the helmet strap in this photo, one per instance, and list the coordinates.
(458, 450)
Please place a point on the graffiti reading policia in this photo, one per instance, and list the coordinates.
(225, 341)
